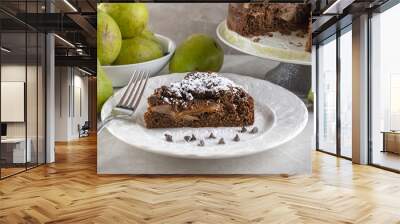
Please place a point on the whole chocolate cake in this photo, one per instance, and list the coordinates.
(259, 19)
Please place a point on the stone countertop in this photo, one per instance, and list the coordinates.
(243, 65)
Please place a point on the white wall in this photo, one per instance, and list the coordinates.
(69, 85)
(61, 103)
(80, 94)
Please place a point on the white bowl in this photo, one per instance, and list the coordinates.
(120, 74)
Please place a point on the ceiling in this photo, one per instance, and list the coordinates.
(332, 15)
(57, 5)
(72, 20)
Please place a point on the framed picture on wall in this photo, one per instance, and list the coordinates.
(13, 99)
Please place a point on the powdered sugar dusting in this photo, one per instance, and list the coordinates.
(166, 100)
(201, 82)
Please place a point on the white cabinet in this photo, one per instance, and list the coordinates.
(17, 147)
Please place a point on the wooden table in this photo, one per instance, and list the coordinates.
(391, 141)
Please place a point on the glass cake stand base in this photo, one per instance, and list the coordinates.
(294, 77)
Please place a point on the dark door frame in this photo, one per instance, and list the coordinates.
(339, 32)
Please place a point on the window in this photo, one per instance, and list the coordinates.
(327, 95)
(385, 89)
(346, 75)
(394, 101)
(334, 94)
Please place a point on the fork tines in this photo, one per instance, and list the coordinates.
(134, 90)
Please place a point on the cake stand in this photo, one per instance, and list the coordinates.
(294, 70)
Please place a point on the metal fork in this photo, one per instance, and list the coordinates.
(129, 101)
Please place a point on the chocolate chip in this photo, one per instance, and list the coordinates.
(236, 138)
(187, 138)
(243, 130)
(221, 141)
(193, 138)
(212, 135)
(201, 143)
(168, 137)
(254, 130)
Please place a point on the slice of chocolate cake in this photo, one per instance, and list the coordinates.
(201, 99)
(262, 19)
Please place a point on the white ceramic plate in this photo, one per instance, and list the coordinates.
(278, 47)
(120, 74)
(279, 116)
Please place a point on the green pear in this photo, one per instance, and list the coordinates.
(310, 96)
(109, 38)
(137, 50)
(131, 18)
(198, 52)
(149, 35)
(104, 87)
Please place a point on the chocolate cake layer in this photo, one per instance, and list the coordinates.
(259, 19)
(200, 100)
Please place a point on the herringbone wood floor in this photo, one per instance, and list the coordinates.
(69, 191)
